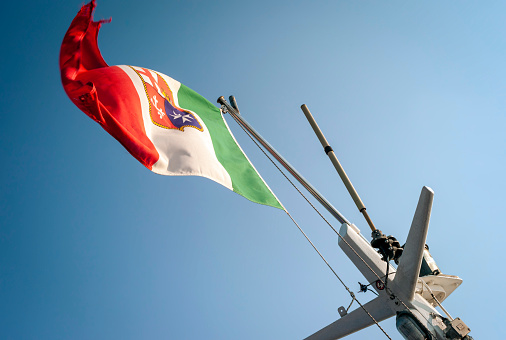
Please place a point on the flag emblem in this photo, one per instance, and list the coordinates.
(162, 109)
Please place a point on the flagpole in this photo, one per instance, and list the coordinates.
(233, 111)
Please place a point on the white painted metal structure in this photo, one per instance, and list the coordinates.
(406, 291)
(407, 295)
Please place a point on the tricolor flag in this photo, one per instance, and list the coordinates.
(165, 125)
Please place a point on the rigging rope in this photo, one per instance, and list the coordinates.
(307, 238)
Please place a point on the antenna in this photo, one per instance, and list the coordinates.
(333, 158)
(388, 246)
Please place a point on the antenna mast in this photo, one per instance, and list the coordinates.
(389, 247)
(333, 158)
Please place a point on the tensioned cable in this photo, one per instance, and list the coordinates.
(307, 238)
(435, 299)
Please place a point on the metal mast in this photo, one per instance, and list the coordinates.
(337, 165)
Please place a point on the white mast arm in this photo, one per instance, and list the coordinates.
(355, 321)
(411, 259)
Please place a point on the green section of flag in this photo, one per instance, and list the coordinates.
(245, 180)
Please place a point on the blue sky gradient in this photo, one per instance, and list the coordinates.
(95, 246)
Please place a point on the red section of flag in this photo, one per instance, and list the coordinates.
(105, 93)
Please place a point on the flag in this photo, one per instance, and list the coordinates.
(166, 126)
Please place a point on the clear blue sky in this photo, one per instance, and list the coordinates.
(94, 246)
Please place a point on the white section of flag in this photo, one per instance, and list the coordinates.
(182, 153)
